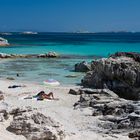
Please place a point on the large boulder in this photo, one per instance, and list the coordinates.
(48, 55)
(82, 67)
(52, 54)
(3, 42)
(74, 92)
(119, 73)
(34, 126)
(4, 55)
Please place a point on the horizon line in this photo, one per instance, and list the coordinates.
(86, 32)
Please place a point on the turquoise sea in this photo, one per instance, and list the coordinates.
(77, 46)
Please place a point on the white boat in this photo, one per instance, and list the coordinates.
(3, 42)
(51, 82)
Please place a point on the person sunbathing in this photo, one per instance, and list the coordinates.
(42, 95)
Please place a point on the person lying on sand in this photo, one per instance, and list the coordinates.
(42, 95)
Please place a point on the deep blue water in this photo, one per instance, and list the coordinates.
(99, 44)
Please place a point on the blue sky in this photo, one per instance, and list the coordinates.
(70, 15)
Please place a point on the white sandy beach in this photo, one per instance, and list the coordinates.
(77, 124)
(70, 70)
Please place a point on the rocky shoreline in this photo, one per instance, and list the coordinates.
(115, 115)
(111, 87)
(119, 73)
(105, 106)
(45, 55)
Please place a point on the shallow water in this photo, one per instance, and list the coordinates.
(78, 46)
(38, 70)
(70, 43)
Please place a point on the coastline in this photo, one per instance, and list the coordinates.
(39, 69)
(95, 110)
(75, 123)
(70, 70)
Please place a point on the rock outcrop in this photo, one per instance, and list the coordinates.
(119, 73)
(3, 42)
(3, 115)
(135, 56)
(3, 111)
(82, 67)
(34, 125)
(116, 115)
(4, 55)
(135, 134)
(74, 92)
(1, 95)
(46, 55)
